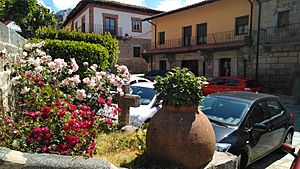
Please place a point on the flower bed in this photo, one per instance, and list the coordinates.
(56, 110)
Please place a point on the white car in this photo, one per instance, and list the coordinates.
(148, 107)
(137, 79)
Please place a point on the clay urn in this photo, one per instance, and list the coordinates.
(180, 132)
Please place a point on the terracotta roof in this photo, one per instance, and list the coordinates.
(115, 4)
(181, 9)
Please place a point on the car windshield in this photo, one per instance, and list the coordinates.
(146, 94)
(223, 110)
(252, 83)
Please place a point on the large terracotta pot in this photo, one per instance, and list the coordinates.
(181, 134)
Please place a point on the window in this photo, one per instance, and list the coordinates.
(283, 19)
(76, 26)
(83, 24)
(241, 25)
(225, 67)
(163, 65)
(274, 107)
(258, 115)
(202, 33)
(231, 82)
(110, 23)
(187, 35)
(161, 37)
(136, 51)
(136, 24)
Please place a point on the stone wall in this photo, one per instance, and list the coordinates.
(134, 64)
(12, 42)
(279, 69)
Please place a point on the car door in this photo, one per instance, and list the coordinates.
(279, 121)
(231, 85)
(259, 141)
(217, 85)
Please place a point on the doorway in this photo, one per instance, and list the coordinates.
(192, 65)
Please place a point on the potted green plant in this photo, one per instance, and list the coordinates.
(180, 132)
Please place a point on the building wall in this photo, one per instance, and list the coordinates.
(219, 16)
(124, 21)
(84, 14)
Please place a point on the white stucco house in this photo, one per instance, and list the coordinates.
(123, 21)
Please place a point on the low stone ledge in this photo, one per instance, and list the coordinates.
(223, 161)
(17, 160)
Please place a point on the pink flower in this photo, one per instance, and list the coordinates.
(74, 65)
(37, 79)
(75, 115)
(85, 108)
(81, 94)
(101, 100)
(109, 121)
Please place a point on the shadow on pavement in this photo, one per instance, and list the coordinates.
(267, 160)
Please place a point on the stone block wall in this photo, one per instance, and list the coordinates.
(279, 69)
(12, 42)
(134, 64)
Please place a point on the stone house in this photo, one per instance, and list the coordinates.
(279, 46)
(211, 38)
(122, 21)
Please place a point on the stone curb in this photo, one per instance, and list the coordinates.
(223, 161)
(17, 160)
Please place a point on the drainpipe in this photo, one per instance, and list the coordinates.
(155, 39)
(250, 34)
(258, 37)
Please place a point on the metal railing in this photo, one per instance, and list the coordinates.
(290, 33)
(209, 39)
(100, 29)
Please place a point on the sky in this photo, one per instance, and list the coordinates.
(164, 5)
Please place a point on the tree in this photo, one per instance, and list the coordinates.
(28, 14)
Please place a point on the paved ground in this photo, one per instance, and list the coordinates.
(278, 160)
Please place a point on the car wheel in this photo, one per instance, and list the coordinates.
(289, 137)
(242, 160)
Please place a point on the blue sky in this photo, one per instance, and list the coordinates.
(164, 5)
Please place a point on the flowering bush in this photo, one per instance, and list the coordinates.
(55, 109)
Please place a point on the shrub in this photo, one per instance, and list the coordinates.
(81, 51)
(106, 40)
(56, 110)
(180, 87)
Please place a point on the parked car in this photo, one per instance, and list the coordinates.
(148, 107)
(222, 84)
(249, 125)
(291, 150)
(154, 73)
(137, 79)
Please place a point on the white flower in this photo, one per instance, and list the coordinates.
(81, 94)
(76, 79)
(37, 62)
(74, 65)
(46, 58)
(86, 80)
(28, 47)
(31, 61)
(85, 63)
(51, 65)
(65, 82)
(39, 69)
(94, 67)
(15, 80)
(25, 90)
(38, 52)
(25, 54)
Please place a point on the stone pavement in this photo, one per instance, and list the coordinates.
(278, 160)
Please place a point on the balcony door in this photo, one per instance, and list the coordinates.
(187, 36)
(110, 25)
(202, 33)
(192, 65)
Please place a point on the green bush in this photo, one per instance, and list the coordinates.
(107, 41)
(81, 51)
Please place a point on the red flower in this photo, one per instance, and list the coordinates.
(115, 112)
(83, 113)
(58, 103)
(37, 79)
(108, 103)
(66, 128)
(101, 100)
(45, 115)
(119, 109)
(46, 109)
(45, 149)
(85, 108)
(90, 152)
(72, 107)
(42, 84)
(72, 122)
(109, 121)
(75, 115)
(29, 75)
(61, 113)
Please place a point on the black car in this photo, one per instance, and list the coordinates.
(249, 125)
(154, 73)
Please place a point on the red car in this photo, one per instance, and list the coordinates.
(222, 84)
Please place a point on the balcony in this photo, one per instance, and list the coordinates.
(214, 41)
(97, 28)
(277, 35)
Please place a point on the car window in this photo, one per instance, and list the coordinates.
(140, 81)
(133, 82)
(257, 115)
(274, 107)
(232, 82)
(252, 83)
(146, 94)
(218, 81)
(223, 110)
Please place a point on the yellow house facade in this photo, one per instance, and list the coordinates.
(211, 38)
